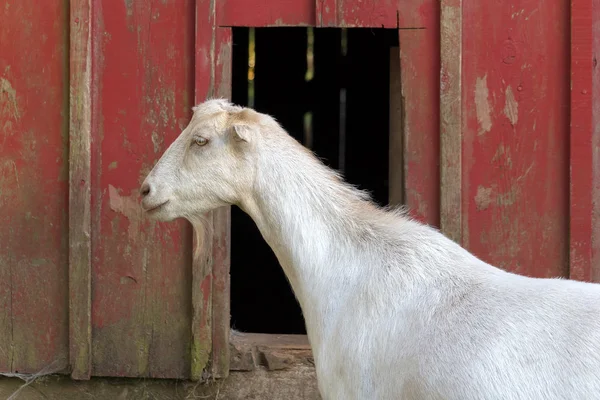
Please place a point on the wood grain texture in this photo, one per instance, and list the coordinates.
(34, 186)
(501, 151)
(210, 273)
(584, 144)
(259, 13)
(376, 13)
(420, 68)
(143, 81)
(451, 119)
(515, 163)
(221, 293)
(80, 239)
(396, 147)
(202, 307)
(326, 13)
(288, 342)
(221, 243)
(204, 88)
(596, 140)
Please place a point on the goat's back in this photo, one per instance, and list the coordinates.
(475, 333)
(515, 338)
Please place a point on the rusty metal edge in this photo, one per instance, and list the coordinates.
(80, 130)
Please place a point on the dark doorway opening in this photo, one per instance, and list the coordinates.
(330, 89)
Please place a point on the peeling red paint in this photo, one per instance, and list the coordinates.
(33, 193)
(515, 160)
(519, 206)
(139, 104)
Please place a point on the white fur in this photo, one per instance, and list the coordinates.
(393, 309)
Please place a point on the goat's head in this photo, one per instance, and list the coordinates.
(209, 165)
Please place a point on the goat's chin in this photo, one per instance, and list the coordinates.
(164, 218)
(161, 215)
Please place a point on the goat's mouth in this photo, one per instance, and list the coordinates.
(154, 209)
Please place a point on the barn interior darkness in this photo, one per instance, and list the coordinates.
(329, 88)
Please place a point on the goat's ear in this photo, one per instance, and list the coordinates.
(242, 124)
(241, 132)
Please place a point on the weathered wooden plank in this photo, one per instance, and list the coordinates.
(34, 186)
(583, 144)
(273, 352)
(204, 87)
(288, 342)
(80, 240)
(210, 273)
(201, 346)
(221, 292)
(143, 83)
(376, 13)
(420, 66)
(257, 13)
(451, 119)
(326, 13)
(596, 140)
(221, 244)
(396, 150)
(515, 135)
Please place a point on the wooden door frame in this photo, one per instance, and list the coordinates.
(414, 127)
(210, 271)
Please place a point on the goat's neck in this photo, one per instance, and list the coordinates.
(306, 228)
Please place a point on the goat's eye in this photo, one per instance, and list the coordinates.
(200, 141)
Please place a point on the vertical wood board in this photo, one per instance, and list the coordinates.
(221, 244)
(515, 172)
(596, 141)
(210, 276)
(451, 119)
(80, 240)
(419, 70)
(583, 143)
(204, 87)
(143, 79)
(34, 192)
(326, 13)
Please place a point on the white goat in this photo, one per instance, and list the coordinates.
(393, 308)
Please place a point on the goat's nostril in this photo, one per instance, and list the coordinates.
(145, 190)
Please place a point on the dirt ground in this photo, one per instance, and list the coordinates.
(296, 383)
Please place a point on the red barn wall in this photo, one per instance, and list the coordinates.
(501, 125)
(34, 179)
(515, 134)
